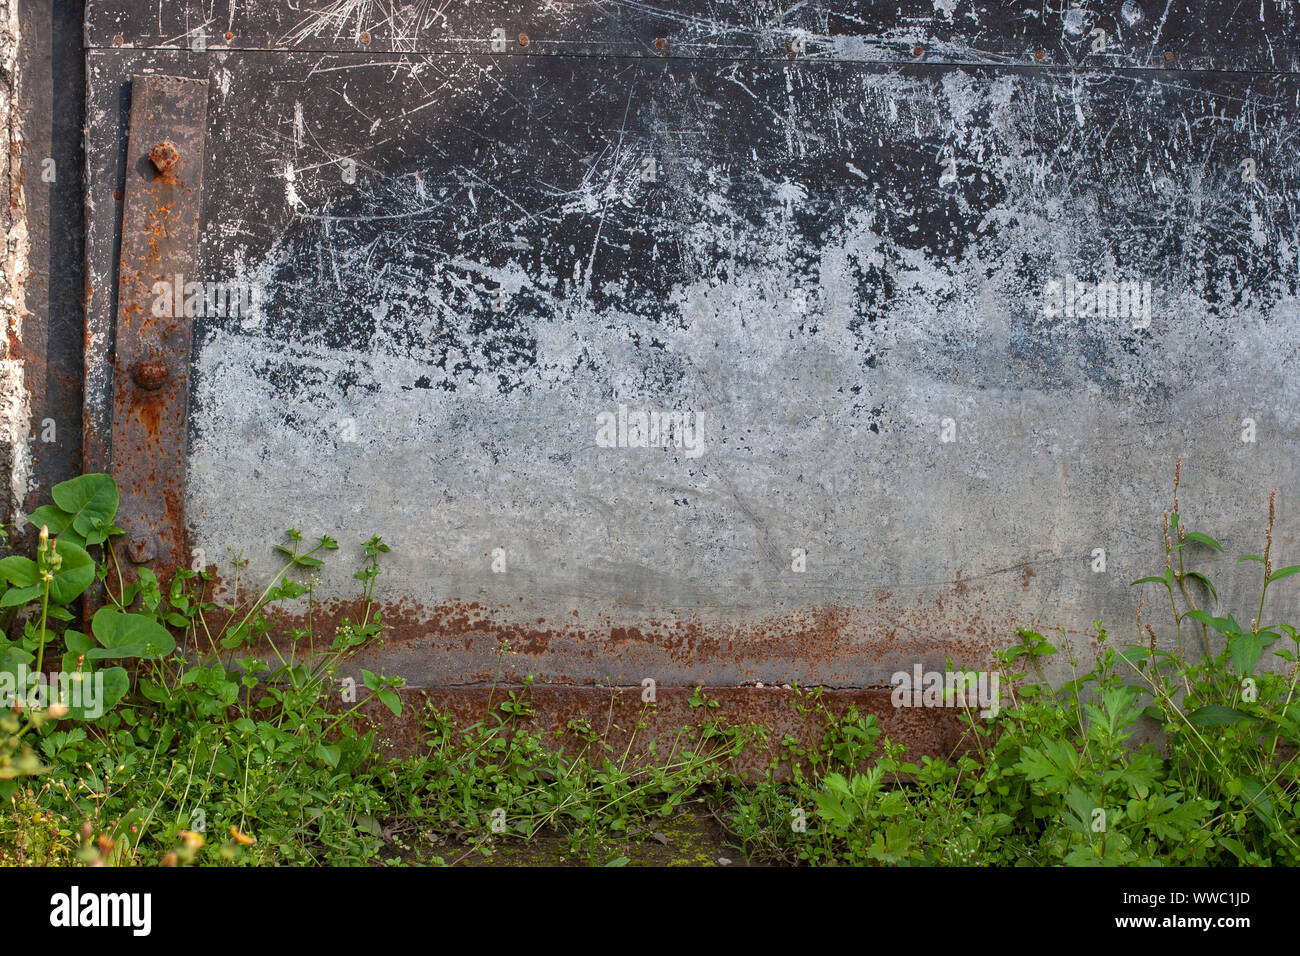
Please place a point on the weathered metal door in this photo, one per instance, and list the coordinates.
(733, 343)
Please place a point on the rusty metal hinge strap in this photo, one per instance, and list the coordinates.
(160, 248)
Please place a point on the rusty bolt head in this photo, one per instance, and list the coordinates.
(1039, 54)
(918, 50)
(364, 38)
(141, 548)
(165, 156)
(150, 374)
(229, 37)
(1169, 56)
(661, 44)
(523, 39)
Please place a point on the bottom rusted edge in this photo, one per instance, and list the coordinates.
(614, 713)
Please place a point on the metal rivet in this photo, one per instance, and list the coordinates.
(523, 39)
(229, 37)
(918, 50)
(165, 155)
(661, 44)
(150, 374)
(1039, 54)
(364, 38)
(117, 39)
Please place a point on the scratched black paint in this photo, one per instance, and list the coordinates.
(1202, 34)
(492, 152)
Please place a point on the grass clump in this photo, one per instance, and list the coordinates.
(216, 739)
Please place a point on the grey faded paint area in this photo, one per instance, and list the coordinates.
(376, 391)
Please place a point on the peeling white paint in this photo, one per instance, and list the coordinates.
(15, 402)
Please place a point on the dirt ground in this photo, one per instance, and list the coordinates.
(690, 838)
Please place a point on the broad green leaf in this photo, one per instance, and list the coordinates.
(1167, 579)
(12, 656)
(1204, 580)
(19, 571)
(1245, 650)
(390, 700)
(1216, 715)
(52, 517)
(1251, 557)
(224, 765)
(76, 641)
(1221, 624)
(100, 692)
(1135, 654)
(15, 597)
(1203, 539)
(329, 753)
(1236, 848)
(1284, 573)
(91, 500)
(1257, 800)
(74, 574)
(128, 635)
(1082, 805)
